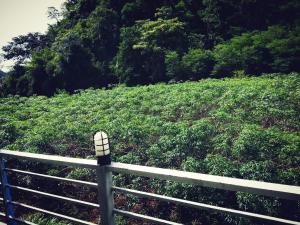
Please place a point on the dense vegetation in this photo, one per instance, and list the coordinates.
(97, 43)
(238, 127)
(247, 126)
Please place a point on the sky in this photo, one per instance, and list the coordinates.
(19, 17)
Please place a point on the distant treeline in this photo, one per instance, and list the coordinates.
(97, 43)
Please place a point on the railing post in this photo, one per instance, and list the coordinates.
(104, 179)
(105, 197)
(7, 199)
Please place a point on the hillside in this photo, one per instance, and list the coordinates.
(238, 127)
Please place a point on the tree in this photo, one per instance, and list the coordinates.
(198, 63)
(130, 12)
(128, 61)
(10, 81)
(68, 65)
(42, 78)
(285, 51)
(53, 13)
(22, 47)
(273, 50)
(211, 17)
(173, 64)
(1, 66)
(100, 32)
(145, 45)
(161, 34)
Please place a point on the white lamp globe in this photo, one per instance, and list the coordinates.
(101, 144)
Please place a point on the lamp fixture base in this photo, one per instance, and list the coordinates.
(104, 160)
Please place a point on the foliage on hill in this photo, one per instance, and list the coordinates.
(96, 43)
(238, 127)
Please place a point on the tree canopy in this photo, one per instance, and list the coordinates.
(97, 43)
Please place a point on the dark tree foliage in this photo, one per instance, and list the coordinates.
(96, 43)
(10, 83)
(22, 47)
(53, 13)
(274, 50)
(2, 74)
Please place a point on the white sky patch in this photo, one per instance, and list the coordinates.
(19, 17)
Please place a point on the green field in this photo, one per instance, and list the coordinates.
(238, 127)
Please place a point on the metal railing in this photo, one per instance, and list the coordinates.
(105, 189)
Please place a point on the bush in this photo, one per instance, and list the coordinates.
(173, 66)
(8, 133)
(256, 143)
(257, 52)
(219, 165)
(38, 218)
(192, 164)
(197, 64)
(258, 170)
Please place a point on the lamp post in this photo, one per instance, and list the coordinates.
(104, 179)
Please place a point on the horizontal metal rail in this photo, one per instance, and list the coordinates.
(225, 183)
(22, 221)
(198, 205)
(51, 159)
(55, 196)
(79, 182)
(45, 212)
(144, 217)
(52, 213)
(16, 219)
